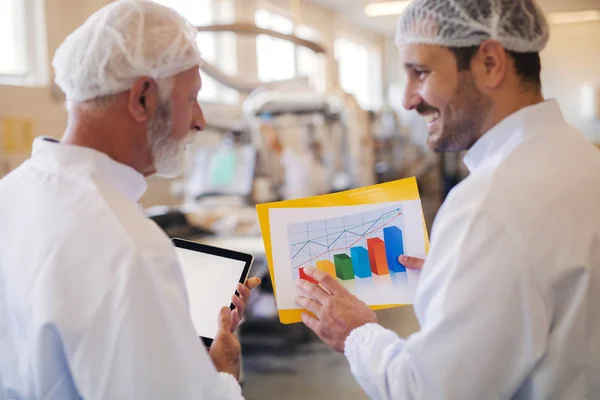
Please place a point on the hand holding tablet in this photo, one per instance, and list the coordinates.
(212, 275)
(225, 349)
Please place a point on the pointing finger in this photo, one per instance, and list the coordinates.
(328, 282)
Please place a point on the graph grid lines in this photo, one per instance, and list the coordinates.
(330, 244)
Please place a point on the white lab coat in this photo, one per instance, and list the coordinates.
(92, 299)
(509, 298)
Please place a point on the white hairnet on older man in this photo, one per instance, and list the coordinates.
(120, 43)
(117, 45)
(509, 297)
(92, 296)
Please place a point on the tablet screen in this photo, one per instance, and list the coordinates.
(210, 280)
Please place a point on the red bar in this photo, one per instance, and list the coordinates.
(306, 277)
(377, 257)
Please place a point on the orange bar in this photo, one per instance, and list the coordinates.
(327, 267)
(377, 257)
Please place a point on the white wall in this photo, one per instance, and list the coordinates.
(571, 59)
(36, 103)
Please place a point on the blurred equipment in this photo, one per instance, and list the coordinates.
(307, 143)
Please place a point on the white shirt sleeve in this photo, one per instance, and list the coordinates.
(141, 344)
(484, 321)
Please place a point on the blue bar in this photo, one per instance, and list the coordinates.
(394, 248)
(360, 262)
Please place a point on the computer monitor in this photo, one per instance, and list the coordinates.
(224, 170)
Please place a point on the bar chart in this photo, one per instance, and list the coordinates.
(351, 247)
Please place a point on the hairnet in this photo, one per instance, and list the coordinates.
(519, 25)
(121, 42)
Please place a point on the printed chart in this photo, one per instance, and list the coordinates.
(356, 237)
(360, 245)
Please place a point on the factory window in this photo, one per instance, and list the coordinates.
(217, 48)
(22, 28)
(275, 57)
(308, 63)
(360, 72)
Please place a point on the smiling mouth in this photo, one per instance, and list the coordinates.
(431, 118)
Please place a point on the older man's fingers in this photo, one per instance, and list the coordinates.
(328, 282)
(411, 262)
(244, 291)
(253, 282)
(314, 291)
(239, 304)
(309, 305)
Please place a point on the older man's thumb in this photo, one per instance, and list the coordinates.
(225, 319)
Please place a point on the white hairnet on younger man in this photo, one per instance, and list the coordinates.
(519, 25)
(123, 41)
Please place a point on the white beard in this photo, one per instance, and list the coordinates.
(170, 159)
(168, 154)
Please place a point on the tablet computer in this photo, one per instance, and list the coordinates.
(211, 275)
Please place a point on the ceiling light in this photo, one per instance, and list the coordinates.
(574, 17)
(380, 9)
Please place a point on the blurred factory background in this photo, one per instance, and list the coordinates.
(302, 97)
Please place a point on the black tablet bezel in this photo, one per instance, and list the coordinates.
(219, 252)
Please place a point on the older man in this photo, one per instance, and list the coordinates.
(509, 299)
(92, 300)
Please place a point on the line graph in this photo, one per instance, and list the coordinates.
(323, 240)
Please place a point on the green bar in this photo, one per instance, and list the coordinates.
(343, 267)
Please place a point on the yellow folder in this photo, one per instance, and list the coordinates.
(401, 190)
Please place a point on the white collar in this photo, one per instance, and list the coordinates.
(83, 160)
(525, 122)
